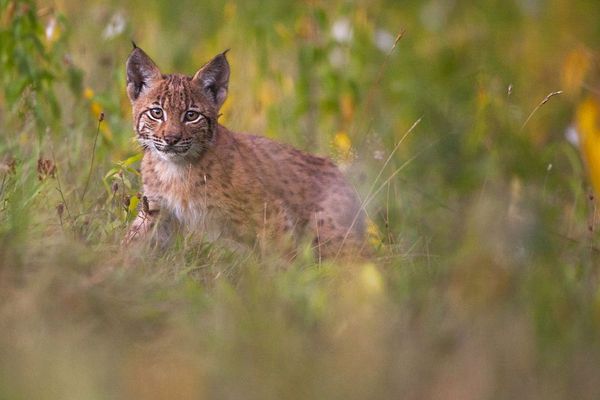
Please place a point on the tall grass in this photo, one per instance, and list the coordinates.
(483, 221)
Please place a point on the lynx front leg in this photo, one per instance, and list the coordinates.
(149, 223)
(139, 228)
(143, 223)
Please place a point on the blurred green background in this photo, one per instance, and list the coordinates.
(470, 129)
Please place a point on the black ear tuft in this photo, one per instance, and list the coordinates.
(213, 78)
(134, 45)
(141, 72)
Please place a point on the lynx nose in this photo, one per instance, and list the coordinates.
(172, 139)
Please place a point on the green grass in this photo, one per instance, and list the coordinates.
(484, 281)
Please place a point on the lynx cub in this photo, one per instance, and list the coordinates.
(211, 181)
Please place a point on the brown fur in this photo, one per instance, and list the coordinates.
(219, 183)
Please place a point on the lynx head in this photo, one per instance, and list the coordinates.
(176, 115)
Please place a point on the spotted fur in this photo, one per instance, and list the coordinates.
(199, 175)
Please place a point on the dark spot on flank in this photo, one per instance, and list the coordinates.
(236, 221)
(317, 161)
(298, 163)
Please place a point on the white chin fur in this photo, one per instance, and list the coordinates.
(172, 156)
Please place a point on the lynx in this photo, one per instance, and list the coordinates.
(200, 176)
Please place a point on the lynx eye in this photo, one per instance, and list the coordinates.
(191, 116)
(156, 113)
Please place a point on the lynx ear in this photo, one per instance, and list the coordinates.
(141, 73)
(213, 78)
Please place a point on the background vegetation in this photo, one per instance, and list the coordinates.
(483, 215)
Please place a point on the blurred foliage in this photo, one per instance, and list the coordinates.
(32, 59)
(471, 131)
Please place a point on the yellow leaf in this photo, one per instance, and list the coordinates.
(88, 93)
(373, 233)
(574, 70)
(133, 204)
(225, 109)
(347, 107)
(133, 159)
(106, 132)
(588, 127)
(342, 143)
(371, 279)
(96, 109)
